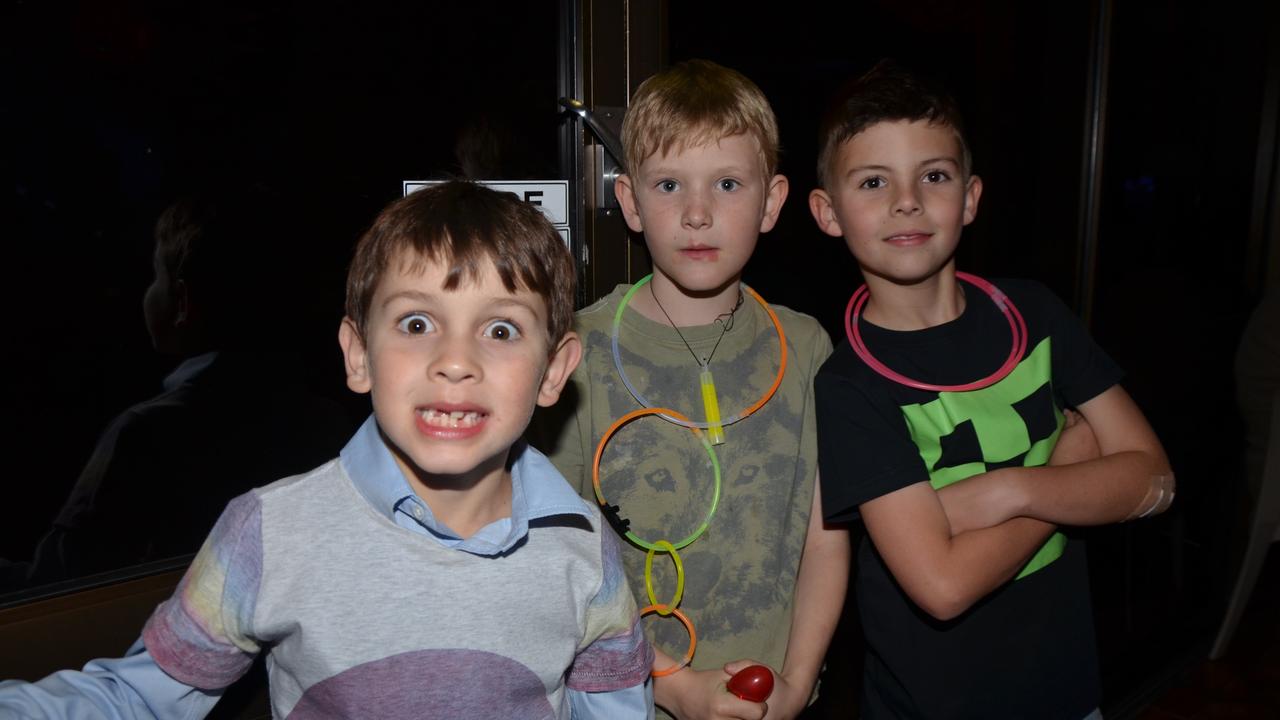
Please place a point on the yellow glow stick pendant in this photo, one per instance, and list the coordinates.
(715, 431)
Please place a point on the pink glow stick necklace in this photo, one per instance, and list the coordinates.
(1017, 327)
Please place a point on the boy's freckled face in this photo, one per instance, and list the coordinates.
(454, 374)
(701, 210)
(899, 198)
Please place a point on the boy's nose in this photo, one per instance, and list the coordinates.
(907, 202)
(455, 363)
(697, 213)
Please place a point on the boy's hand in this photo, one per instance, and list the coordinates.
(1077, 443)
(991, 498)
(701, 695)
(978, 502)
(785, 702)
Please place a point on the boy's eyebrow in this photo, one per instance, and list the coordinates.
(941, 159)
(416, 295)
(506, 300)
(732, 169)
(885, 168)
(420, 296)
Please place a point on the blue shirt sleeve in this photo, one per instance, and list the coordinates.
(630, 702)
(127, 688)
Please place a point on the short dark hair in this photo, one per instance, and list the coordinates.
(887, 92)
(463, 225)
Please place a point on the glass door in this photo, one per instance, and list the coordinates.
(287, 126)
(146, 384)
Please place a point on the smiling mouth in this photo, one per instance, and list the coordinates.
(454, 419)
(908, 238)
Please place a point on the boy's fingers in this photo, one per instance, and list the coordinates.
(738, 709)
(738, 665)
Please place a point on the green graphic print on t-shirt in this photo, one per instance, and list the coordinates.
(1014, 422)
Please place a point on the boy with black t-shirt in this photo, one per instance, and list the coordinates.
(937, 421)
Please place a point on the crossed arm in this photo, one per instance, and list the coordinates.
(948, 549)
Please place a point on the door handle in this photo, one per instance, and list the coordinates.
(607, 159)
(597, 128)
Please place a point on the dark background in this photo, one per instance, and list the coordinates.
(117, 108)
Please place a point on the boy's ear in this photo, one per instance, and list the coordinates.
(972, 192)
(773, 201)
(559, 368)
(824, 212)
(355, 356)
(624, 190)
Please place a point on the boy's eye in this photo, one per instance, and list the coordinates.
(415, 324)
(729, 184)
(667, 186)
(872, 183)
(502, 330)
(936, 176)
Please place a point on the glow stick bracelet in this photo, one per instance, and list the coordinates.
(608, 509)
(693, 641)
(666, 547)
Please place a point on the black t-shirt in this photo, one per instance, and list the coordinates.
(1027, 649)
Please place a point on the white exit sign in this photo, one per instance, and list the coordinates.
(550, 196)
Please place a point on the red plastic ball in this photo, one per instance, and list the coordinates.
(754, 683)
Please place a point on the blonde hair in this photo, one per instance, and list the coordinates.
(693, 103)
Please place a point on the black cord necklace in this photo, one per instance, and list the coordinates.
(724, 319)
(710, 401)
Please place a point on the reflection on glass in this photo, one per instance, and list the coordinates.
(234, 414)
(116, 111)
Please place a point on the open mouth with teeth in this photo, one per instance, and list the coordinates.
(450, 422)
(453, 419)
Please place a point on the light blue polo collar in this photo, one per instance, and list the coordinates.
(538, 490)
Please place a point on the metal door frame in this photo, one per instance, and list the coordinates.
(607, 48)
